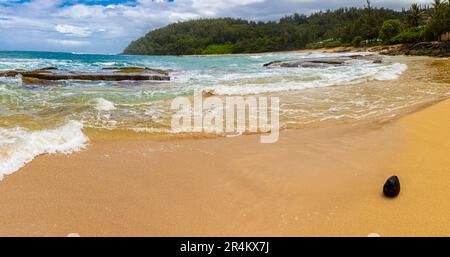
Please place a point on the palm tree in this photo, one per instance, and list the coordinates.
(369, 22)
(415, 15)
(437, 3)
(437, 24)
(438, 8)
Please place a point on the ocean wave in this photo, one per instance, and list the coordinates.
(19, 146)
(105, 63)
(104, 105)
(391, 72)
(351, 74)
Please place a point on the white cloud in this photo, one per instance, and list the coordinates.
(49, 25)
(73, 30)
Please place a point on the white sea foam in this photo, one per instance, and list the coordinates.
(391, 72)
(19, 146)
(351, 74)
(105, 63)
(104, 105)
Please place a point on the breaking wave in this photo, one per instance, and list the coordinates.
(19, 146)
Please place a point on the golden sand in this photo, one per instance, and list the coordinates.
(338, 49)
(301, 51)
(324, 181)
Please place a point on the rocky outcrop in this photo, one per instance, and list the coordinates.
(322, 62)
(106, 74)
(135, 70)
(441, 49)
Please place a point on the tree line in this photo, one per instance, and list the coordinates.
(331, 28)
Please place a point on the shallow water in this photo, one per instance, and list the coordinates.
(357, 90)
(127, 105)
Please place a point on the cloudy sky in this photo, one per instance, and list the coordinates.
(95, 26)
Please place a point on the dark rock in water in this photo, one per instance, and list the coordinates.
(135, 70)
(371, 57)
(312, 63)
(322, 62)
(271, 63)
(392, 187)
(307, 63)
(47, 68)
(111, 74)
(35, 81)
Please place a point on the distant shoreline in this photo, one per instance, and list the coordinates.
(442, 50)
(397, 49)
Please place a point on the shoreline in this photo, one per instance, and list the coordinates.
(300, 51)
(397, 49)
(133, 187)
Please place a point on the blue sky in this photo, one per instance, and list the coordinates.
(96, 26)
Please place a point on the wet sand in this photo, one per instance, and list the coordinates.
(323, 181)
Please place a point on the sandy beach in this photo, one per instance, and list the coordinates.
(339, 49)
(226, 119)
(323, 181)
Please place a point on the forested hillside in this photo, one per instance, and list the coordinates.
(344, 26)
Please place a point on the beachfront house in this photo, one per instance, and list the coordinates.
(445, 37)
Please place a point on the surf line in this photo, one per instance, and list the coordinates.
(227, 115)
